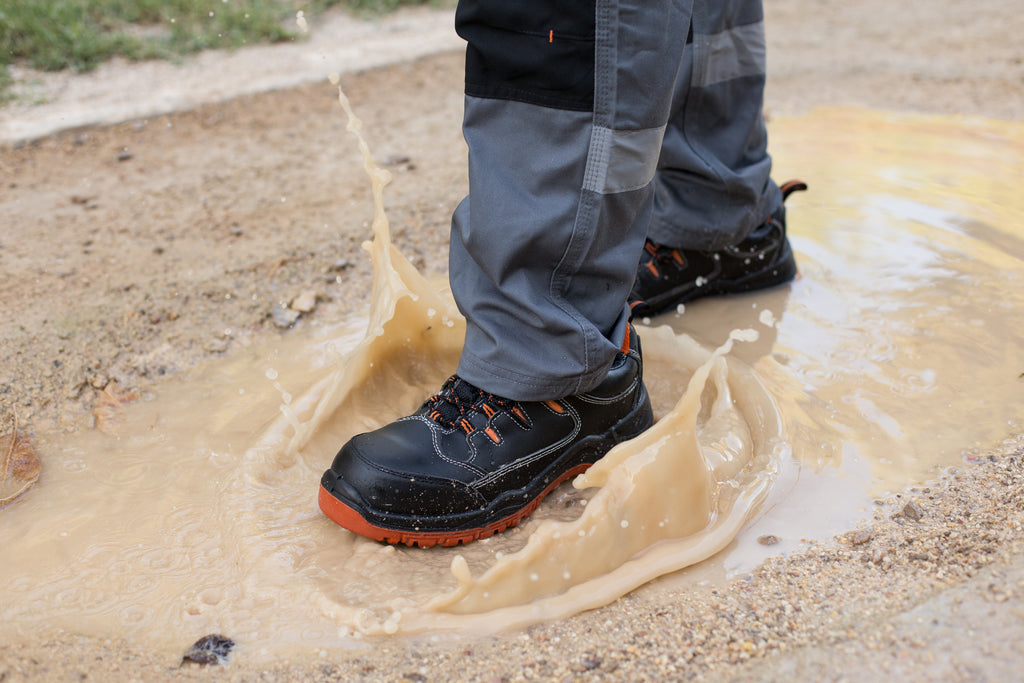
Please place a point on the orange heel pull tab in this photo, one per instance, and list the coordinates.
(791, 186)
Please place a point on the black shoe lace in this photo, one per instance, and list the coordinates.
(657, 254)
(453, 405)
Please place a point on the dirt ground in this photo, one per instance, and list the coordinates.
(134, 250)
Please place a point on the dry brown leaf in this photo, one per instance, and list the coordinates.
(19, 469)
(108, 405)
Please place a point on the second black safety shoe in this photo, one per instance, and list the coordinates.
(668, 277)
(469, 464)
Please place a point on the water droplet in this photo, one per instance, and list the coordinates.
(271, 373)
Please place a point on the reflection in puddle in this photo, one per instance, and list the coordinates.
(899, 347)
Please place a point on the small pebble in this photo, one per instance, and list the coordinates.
(212, 649)
(396, 159)
(859, 537)
(304, 302)
(283, 317)
(768, 539)
(912, 511)
(216, 345)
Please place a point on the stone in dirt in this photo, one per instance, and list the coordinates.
(211, 649)
(304, 302)
(911, 511)
(859, 537)
(283, 317)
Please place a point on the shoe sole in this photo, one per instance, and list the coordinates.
(347, 516)
(781, 272)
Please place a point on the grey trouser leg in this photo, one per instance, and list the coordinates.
(713, 187)
(544, 249)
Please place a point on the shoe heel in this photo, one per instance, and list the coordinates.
(636, 422)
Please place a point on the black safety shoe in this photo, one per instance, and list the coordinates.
(668, 277)
(469, 464)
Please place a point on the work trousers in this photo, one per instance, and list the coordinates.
(592, 125)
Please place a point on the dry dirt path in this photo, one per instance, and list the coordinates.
(131, 250)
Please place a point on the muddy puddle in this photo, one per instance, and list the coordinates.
(897, 350)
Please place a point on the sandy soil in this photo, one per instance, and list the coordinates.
(134, 250)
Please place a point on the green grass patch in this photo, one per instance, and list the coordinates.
(52, 35)
(6, 81)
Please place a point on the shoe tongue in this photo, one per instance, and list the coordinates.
(465, 393)
(454, 402)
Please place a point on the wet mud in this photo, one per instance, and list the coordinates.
(894, 354)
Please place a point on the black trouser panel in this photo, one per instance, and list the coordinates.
(533, 51)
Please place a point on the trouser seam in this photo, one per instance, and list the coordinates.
(605, 27)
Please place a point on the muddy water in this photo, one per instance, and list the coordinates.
(897, 349)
